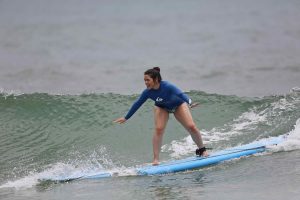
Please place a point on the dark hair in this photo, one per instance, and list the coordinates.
(154, 73)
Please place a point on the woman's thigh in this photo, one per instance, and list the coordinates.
(184, 116)
(161, 117)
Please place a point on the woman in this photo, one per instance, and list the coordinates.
(168, 99)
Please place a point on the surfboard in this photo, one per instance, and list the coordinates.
(196, 162)
(191, 163)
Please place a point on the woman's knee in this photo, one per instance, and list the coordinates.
(192, 128)
(159, 130)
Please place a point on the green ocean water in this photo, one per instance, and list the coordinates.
(45, 135)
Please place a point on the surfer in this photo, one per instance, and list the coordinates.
(168, 99)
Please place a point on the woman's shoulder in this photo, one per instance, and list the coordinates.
(167, 84)
(170, 86)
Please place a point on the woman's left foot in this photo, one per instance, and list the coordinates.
(202, 152)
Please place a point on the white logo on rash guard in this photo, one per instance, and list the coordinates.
(158, 99)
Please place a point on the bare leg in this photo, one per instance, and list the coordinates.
(161, 117)
(184, 116)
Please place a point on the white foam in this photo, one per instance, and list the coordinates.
(295, 89)
(8, 93)
(283, 105)
(82, 166)
(292, 141)
(247, 119)
(58, 170)
(179, 148)
(123, 171)
(186, 145)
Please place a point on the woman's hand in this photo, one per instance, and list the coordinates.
(120, 120)
(193, 105)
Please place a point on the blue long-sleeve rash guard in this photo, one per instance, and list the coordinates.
(167, 96)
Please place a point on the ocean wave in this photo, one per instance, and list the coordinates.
(45, 135)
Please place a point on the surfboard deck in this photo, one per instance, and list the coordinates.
(190, 163)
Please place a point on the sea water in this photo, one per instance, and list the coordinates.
(69, 68)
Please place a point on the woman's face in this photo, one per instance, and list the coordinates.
(150, 82)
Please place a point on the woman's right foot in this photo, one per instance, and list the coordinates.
(155, 162)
